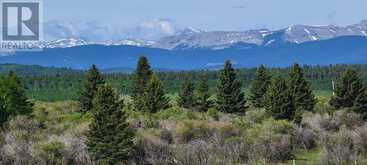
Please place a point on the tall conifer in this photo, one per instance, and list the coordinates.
(279, 102)
(230, 97)
(110, 138)
(186, 95)
(154, 98)
(13, 99)
(202, 94)
(259, 87)
(89, 88)
(347, 89)
(141, 78)
(301, 91)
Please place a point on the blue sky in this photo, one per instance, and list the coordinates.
(204, 14)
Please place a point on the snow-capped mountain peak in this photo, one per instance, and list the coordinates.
(64, 43)
(195, 38)
(134, 42)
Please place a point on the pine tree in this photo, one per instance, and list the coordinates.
(154, 98)
(4, 115)
(301, 91)
(202, 94)
(186, 95)
(279, 102)
(259, 87)
(15, 98)
(347, 88)
(110, 138)
(141, 78)
(360, 105)
(230, 98)
(89, 88)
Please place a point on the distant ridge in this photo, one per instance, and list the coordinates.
(278, 53)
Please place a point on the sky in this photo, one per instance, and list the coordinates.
(154, 18)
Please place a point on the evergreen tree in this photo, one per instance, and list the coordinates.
(110, 138)
(154, 98)
(347, 88)
(89, 88)
(279, 102)
(186, 95)
(230, 98)
(141, 78)
(301, 91)
(202, 94)
(259, 87)
(4, 115)
(13, 99)
(360, 105)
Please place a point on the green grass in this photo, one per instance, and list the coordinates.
(323, 93)
(307, 157)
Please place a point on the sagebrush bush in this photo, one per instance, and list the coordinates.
(55, 134)
(339, 148)
(213, 113)
(52, 152)
(271, 140)
(189, 130)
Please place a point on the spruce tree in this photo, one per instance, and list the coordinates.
(186, 95)
(110, 138)
(89, 88)
(15, 98)
(202, 94)
(347, 88)
(141, 78)
(360, 105)
(4, 115)
(154, 98)
(301, 91)
(279, 102)
(259, 87)
(230, 97)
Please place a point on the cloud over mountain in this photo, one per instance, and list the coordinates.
(94, 31)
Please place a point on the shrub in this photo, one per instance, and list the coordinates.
(152, 150)
(51, 153)
(348, 119)
(271, 140)
(304, 138)
(171, 113)
(213, 113)
(189, 130)
(339, 148)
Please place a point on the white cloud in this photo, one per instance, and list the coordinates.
(94, 31)
(161, 25)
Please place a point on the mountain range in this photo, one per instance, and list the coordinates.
(197, 49)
